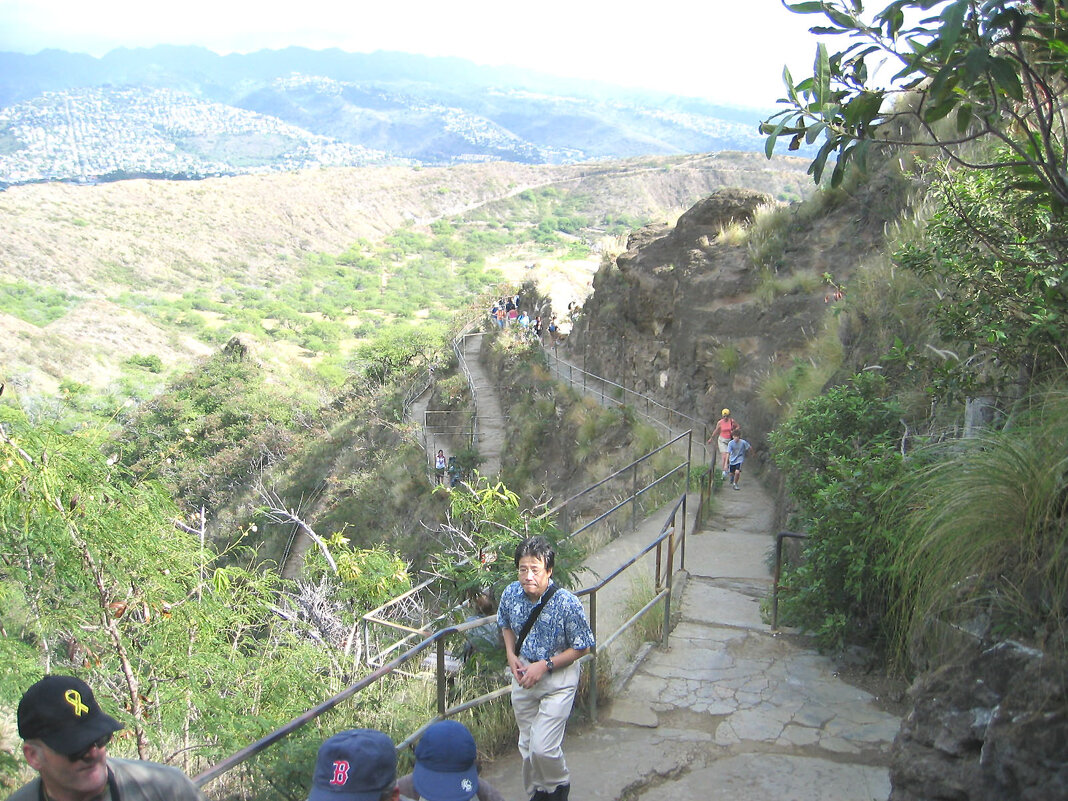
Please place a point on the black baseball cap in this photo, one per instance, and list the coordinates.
(62, 712)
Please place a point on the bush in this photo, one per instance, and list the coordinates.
(151, 362)
(839, 456)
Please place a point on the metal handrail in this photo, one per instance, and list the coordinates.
(632, 498)
(461, 360)
(554, 367)
(630, 467)
(664, 572)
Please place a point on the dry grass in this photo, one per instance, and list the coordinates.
(165, 238)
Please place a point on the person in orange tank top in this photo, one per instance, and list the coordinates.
(725, 428)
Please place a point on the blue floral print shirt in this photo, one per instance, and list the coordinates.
(561, 624)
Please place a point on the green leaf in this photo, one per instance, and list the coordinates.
(964, 117)
(863, 109)
(822, 75)
(818, 164)
(975, 64)
(952, 26)
(846, 21)
(937, 112)
(943, 83)
(788, 79)
(814, 131)
(805, 8)
(1006, 77)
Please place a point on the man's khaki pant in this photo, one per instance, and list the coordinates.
(541, 714)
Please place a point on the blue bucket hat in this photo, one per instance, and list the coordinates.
(445, 759)
(354, 765)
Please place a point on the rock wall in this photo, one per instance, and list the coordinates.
(992, 728)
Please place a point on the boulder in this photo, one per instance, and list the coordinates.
(993, 728)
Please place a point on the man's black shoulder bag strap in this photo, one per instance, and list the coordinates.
(523, 632)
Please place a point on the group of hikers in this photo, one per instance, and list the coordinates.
(66, 734)
(541, 626)
(447, 472)
(732, 448)
(506, 312)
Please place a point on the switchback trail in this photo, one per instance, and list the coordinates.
(729, 709)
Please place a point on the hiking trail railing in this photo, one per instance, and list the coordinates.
(665, 548)
(419, 610)
(609, 393)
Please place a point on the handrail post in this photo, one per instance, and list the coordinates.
(441, 675)
(634, 499)
(667, 598)
(775, 583)
(778, 573)
(682, 548)
(593, 657)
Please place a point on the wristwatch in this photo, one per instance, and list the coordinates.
(549, 664)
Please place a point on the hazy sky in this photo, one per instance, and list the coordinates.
(730, 51)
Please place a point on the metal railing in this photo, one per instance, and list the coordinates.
(668, 544)
(609, 393)
(397, 615)
(459, 347)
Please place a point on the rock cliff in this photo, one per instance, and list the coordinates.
(686, 316)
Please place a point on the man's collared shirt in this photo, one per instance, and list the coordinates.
(561, 624)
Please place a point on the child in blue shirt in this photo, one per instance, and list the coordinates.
(737, 450)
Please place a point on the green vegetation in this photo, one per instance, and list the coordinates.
(839, 454)
(39, 305)
(999, 259)
(100, 579)
(988, 69)
(486, 522)
(986, 535)
(913, 531)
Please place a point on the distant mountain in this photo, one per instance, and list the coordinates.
(188, 112)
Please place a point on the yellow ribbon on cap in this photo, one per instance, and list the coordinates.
(74, 698)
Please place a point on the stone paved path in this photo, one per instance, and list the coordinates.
(729, 710)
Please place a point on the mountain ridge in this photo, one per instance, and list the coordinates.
(335, 109)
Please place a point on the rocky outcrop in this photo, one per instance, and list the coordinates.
(991, 729)
(678, 316)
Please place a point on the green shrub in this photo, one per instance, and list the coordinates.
(839, 455)
(151, 362)
(34, 304)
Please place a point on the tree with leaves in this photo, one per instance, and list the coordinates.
(1001, 267)
(97, 579)
(997, 68)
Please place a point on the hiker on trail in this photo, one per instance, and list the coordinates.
(65, 739)
(446, 767)
(455, 473)
(439, 467)
(554, 330)
(355, 765)
(545, 634)
(725, 428)
(737, 449)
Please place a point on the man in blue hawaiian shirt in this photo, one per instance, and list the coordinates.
(545, 673)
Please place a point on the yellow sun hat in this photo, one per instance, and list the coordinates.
(726, 411)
